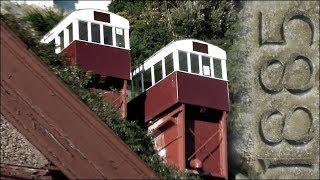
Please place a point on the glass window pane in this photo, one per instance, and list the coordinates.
(95, 32)
(158, 71)
(61, 40)
(83, 30)
(168, 60)
(217, 68)
(147, 78)
(120, 37)
(183, 62)
(137, 85)
(194, 59)
(206, 69)
(107, 33)
(70, 33)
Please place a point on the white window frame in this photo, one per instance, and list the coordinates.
(200, 65)
(75, 26)
(163, 68)
(212, 68)
(89, 32)
(101, 34)
(126, 39)
(224, 69)
(114, 42)
(66, 37)
(152, 75)
(175, 60)
(188, 62)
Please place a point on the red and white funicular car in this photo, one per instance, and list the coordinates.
(98, 42)
(181, 92)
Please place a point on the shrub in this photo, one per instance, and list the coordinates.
(43, 20)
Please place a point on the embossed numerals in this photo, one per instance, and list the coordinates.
(294, 76)
(285, 63)
(286, 67)
(277, 34)
(294, 72)
(295, 127)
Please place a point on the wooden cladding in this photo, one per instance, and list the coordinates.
(200, 47)
(99, 16)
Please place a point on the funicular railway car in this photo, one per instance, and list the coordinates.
(181, 92)
(98, 42)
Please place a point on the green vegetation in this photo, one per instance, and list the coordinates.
(43, 21)
(153, 25)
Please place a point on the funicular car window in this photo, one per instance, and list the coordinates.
(147, 78)
(83, 30)
(70, 29)
(136, 84)
(107, 33)
(169, 63)
(95, 32)
(217, 68)
(194, 59)
(183, 61)
(120, 37)
(158, 71)
(61, 35)
(206, 69)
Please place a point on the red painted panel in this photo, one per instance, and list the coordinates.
(154, 101)
(203, 91)
(100, 59)
(210, 154)
(204, 139)
(171, 143)
(192, 89)
(169, 136)
(69, 53)
(192, 134)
